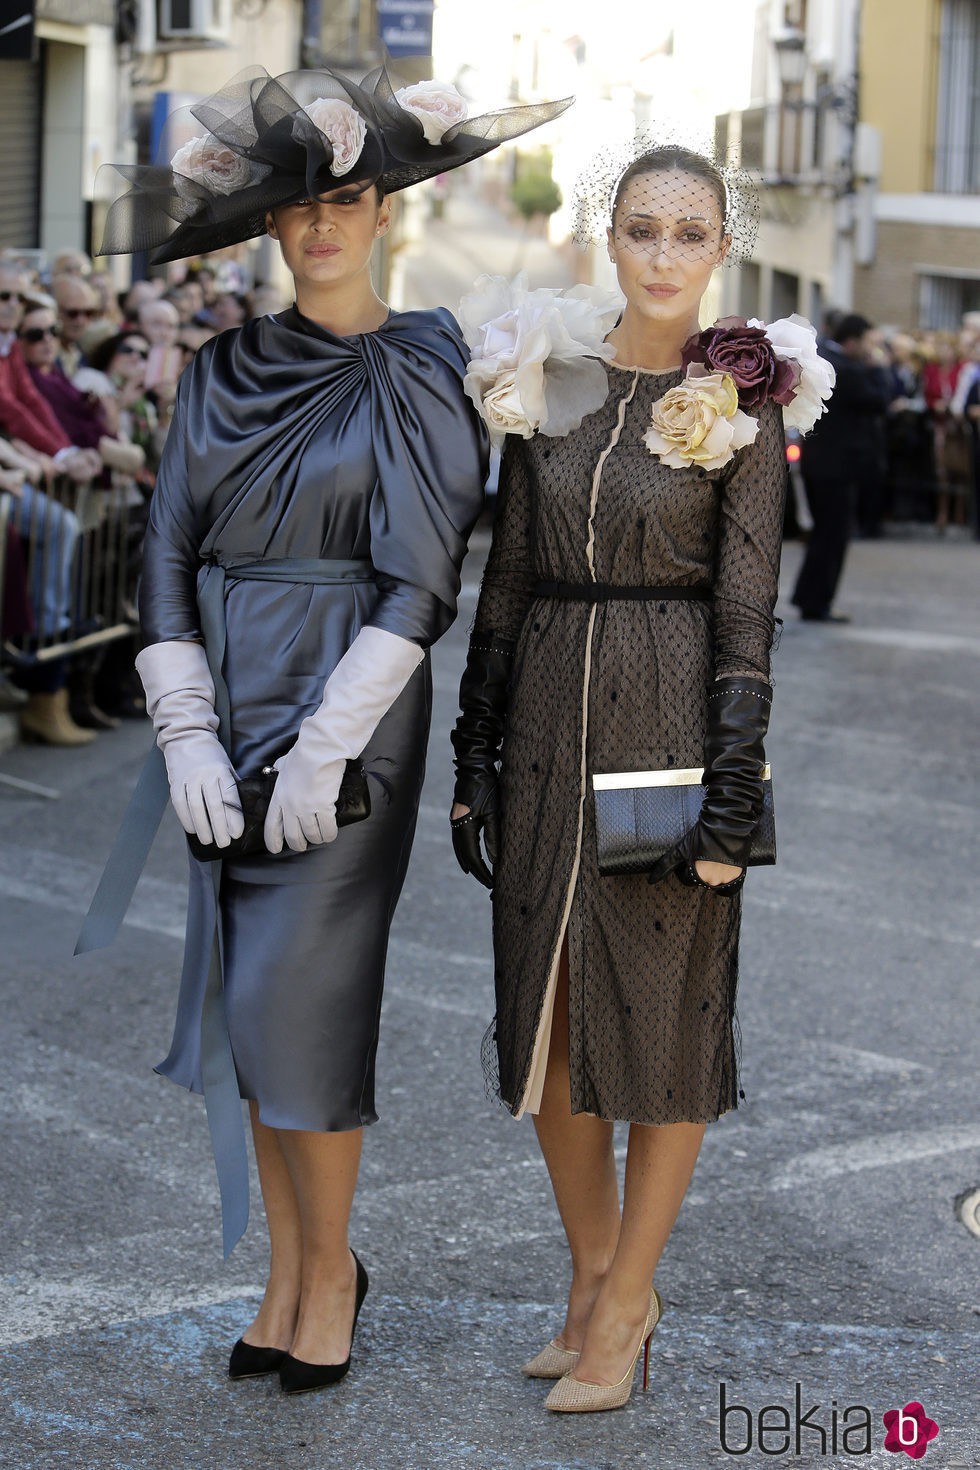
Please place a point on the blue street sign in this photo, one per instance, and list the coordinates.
(405, 27)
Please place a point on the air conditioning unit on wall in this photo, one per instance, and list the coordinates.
(195, 21)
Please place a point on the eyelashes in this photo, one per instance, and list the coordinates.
(645, 236)
(307, 203)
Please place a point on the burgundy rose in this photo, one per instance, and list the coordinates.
(730, 346)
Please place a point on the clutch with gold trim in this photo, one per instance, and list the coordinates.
(641, 815)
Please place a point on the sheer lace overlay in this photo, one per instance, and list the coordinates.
(653, 967)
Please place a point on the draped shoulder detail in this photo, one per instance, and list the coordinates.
(432, 453)
(256, 397)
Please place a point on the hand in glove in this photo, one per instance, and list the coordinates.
(180, 702)
(361, 689)
(734, 757)
(477, 740)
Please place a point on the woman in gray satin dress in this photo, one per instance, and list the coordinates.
(319, 483)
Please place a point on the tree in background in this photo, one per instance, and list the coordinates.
(534, 191)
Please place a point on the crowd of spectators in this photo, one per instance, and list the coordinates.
(926, 464)
(898, 442)
(88, 378)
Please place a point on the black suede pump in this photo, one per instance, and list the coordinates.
(295, 1376)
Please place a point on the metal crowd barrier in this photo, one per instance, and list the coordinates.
(81, 548)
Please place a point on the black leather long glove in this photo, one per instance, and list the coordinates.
(477, 740)
(734, 757)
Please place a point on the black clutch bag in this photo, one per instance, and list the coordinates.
(640, 815)
(255, 792)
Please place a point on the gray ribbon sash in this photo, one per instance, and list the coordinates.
(127, 859)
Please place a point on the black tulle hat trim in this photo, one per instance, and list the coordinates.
(261, 119)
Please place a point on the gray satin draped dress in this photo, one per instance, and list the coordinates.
(291, 442)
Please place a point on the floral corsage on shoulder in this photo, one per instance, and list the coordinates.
(731, 371)
(537, 356)
(538, 366)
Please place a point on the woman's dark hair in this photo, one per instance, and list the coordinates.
(100, 357)
(683, 160)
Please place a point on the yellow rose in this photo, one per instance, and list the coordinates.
(699, 422)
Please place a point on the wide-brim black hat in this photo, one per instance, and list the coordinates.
(261, 149)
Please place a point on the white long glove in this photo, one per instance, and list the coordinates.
(180, 702)
(361, 689)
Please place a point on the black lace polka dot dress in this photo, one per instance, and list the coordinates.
(618, 686)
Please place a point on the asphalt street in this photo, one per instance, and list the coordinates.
(818, 1244)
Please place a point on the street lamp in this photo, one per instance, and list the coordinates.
(838, 97)
(792, 61)
(791, 57)
(803, 120)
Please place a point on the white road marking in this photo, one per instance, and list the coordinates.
(54, 1308)
(875, 921)
(880, 1151)
(914, 640)
(39, 1306)
(56, 881)
(913, 808)
(860, 1063)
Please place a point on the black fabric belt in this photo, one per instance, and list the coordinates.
(610, 592)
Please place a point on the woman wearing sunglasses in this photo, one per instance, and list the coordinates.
(84, 416)
(121, 360)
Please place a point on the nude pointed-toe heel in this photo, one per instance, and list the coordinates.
(571, 1396)
(552, 1361)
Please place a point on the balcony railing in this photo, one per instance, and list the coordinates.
(783, 143)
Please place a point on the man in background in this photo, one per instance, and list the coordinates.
(78, 307)
(844, 449)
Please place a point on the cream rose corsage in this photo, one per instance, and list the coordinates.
(537, 356)
(699, 422)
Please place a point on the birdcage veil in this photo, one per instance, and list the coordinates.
(656, 170)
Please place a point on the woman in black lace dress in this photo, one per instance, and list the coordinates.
(625, 623)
